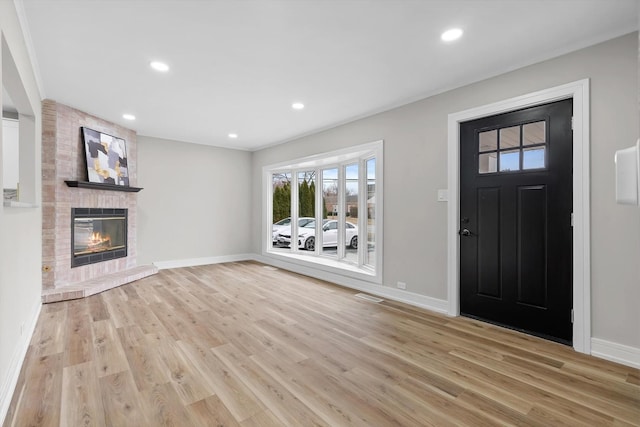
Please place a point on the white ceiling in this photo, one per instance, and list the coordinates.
(237, 65)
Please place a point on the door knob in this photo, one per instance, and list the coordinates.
(464, 232)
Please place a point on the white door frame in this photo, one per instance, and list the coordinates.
(579, 92)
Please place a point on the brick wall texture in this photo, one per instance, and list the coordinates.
(63, 159)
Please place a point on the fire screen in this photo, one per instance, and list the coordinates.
(97, 235)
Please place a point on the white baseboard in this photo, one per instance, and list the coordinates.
(619, 353)
(15, 365)
(417, 300)
(192, 262)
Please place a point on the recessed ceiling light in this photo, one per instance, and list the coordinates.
(233, 135)
(128, 117)
(297, 105)
(159, 66)
(451, 35)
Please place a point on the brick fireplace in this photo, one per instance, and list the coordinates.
(62, 160)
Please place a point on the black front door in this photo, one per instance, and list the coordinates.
(515, 213)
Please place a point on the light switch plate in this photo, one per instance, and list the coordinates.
(443, 195)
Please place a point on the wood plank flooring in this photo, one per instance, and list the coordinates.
(243, 344)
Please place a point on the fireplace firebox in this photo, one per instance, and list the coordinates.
(97, 234)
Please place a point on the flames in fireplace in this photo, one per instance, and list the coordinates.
(98, 242)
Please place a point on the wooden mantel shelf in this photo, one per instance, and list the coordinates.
(100, 186)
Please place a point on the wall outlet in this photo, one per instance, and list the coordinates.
(401, 285)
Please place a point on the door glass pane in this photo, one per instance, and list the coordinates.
(534, 133)
(488, 141)
(370, 247)
(351, 212)
(330, 212)
(509, 160)
(488, 163)
(281, 214)
(533, 158)
(509, 137)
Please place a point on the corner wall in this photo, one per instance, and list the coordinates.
(415, 136)
(196, 204)
(20, 234)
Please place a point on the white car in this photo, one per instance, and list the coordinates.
(307, 235)
(284, 225)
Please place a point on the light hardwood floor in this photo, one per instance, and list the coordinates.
(243, 344)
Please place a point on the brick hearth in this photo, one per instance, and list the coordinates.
(63, 159)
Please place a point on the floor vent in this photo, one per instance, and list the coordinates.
(369, 298)
(268, 267)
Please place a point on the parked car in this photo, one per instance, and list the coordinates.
(285, 224)
(307, 235)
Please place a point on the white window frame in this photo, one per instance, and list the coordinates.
(336, 159)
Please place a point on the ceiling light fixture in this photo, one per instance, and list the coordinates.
(233, 135)
(159, 66)
(297, 105)
(128, 117)
(451, 35)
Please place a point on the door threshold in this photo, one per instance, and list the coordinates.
(523, 331)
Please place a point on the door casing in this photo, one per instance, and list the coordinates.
(579, 92)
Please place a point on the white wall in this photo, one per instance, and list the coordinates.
(10, 151)
(20, 232)
(196, 201)
(415, 167)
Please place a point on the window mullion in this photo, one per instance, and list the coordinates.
(363, 195)
(294, 211)
(342, 203)
(268, 189)
(319, 210)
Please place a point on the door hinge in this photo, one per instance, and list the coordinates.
(572, 315)
(571, 122)
(572, 219)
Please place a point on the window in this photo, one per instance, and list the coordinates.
(331, 221)
(281, 197)
(330, 203)
(514, 148)
(370, 253)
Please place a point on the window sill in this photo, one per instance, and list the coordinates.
(328, 265)
(16, 204)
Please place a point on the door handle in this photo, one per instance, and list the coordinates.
(465, 232)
